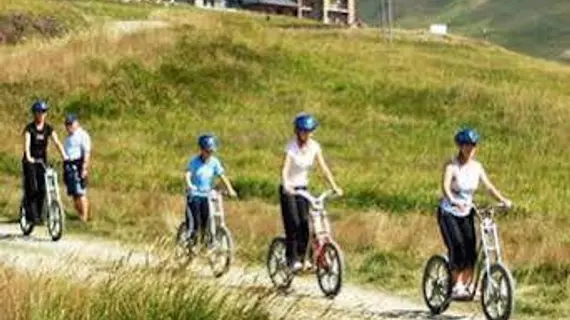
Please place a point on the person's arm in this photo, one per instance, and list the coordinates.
(285, 167)
(86, 155)
(27, 151)
(446, 186)
(492, 189)
(327, 172)
(188, 179)
(86, 162)
(58, 145)
(220, 172)
(228, 185)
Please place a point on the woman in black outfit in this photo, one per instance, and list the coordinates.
(300, 155)
(36, 137)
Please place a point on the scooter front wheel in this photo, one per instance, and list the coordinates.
(437, 284)
(330, 269)
(277, 266)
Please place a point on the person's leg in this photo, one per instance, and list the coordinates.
(205, 219)
(464, 265)
(303, 234)
(288, 207)
(468, 226)
(81, 206)
(76, 188)
(194, 208)
(453, 241)
(83, 202)
(41, 191)
(30, 189)
(85, 207)
(189, 218)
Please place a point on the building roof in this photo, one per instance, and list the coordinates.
(280, 3)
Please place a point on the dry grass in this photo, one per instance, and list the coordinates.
(135, 294)
(145, 97)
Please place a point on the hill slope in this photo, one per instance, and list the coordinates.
(388, 116)
(538, 28)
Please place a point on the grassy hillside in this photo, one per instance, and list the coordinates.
(538, 28)
(388, 116)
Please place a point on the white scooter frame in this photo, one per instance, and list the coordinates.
(52, 209)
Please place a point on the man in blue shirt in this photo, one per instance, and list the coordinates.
(200, 174)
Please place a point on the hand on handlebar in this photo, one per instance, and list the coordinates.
(338, 191)
(232, 193)
(461, 206)
(508, 204)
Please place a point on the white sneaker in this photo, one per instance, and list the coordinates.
(459, 291)
(297, 266)
(307, 265)
(477, 296)
(211, 249)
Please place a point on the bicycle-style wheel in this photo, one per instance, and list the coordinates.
(330, 269)
(277, 267)
(55, 221)
(437, 284)
(26, 225)
(222, 254)
(497, 296)
(184, 244)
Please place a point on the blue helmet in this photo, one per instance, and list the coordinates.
(467, 136)
(306, 122)
(40, 106)
(70, 118)
(207, 142)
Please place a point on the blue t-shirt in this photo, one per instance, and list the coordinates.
(203, 174)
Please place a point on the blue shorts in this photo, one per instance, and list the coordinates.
(76, 185)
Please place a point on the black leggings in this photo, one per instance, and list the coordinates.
(197, 214)
(459, 236)
(295, 213)
(34, 190)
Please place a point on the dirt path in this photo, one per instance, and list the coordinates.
(83, 258)
(120, 28)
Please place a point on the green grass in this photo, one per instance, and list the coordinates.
(388, 117)
(402, 120)
(538, 28)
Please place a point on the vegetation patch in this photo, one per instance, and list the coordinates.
(17, 27)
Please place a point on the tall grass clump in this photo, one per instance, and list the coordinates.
(123, 294)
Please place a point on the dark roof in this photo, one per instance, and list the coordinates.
(280, 3)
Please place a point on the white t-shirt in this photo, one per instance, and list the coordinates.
(464, 182)
(77, 144)
(302, 159)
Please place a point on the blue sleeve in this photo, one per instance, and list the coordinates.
(190, 165)
(218, 168)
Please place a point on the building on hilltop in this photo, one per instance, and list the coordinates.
(327, 11)
(281, 7)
